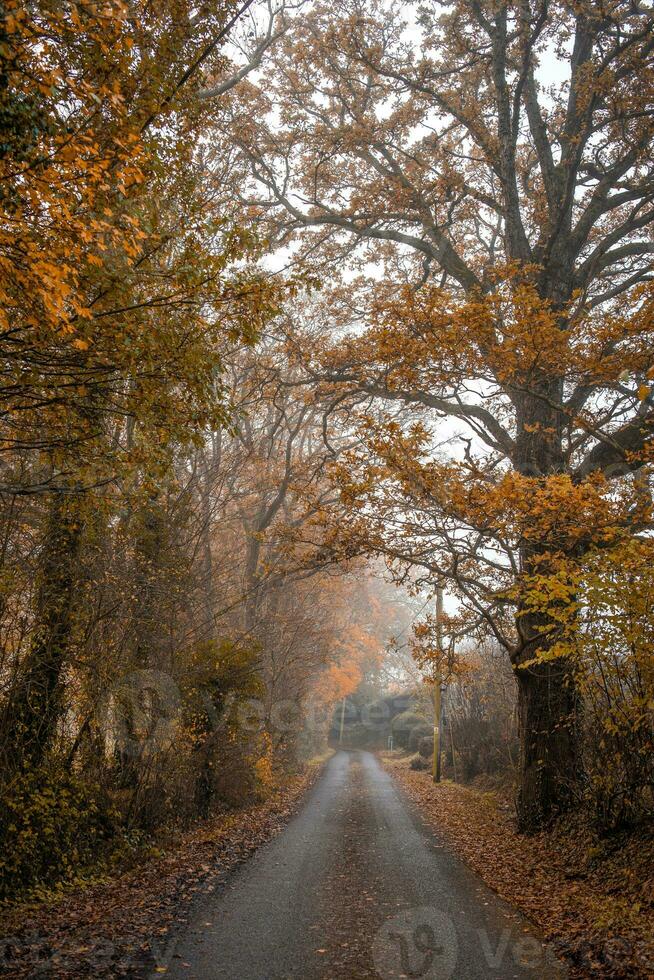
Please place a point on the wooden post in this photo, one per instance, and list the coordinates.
(438, 690)
(436, 765)
(449, 722)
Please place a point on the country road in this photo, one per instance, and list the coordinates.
(356, 887)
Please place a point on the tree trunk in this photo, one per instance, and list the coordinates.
(137, 706)
(547, 702)
(547, 695)
(150, 547)
(35, 704)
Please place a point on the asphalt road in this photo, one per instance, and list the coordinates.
(356, 887)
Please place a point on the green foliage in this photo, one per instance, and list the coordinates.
(613, 654)
(417, 734)
(223, 724)
(403, 726)
(219, 674)
(53, 824)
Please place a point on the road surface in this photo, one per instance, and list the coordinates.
(356, 887)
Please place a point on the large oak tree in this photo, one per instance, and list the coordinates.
(493, 161)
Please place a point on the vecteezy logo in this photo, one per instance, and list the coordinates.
(419, 943)
(139, 712)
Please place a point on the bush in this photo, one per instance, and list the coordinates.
(481, 716)
(52, 825)
(615, 677)
(402, 726)
(426, 746)
(417, 734)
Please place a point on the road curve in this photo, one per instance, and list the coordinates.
(356, 887)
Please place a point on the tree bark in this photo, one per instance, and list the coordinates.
(548, 773)
(34, 706)
(547, 694)
(138, 705)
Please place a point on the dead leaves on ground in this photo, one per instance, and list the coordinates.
(124, 927)
(594, 900)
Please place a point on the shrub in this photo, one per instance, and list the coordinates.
(613, 652)
(52, 825)
(402, 726)
(416, 735)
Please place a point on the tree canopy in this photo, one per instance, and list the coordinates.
(297, 300)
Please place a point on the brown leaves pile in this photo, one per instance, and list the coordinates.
(592, 898)
(125, 926)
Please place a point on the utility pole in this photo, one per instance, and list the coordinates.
(340, 735)
(438, 689)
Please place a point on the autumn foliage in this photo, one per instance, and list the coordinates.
(476, 181)
(160, 625)
(283, 291)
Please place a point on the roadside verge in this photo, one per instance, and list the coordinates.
(119, 926)
(593, 899)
